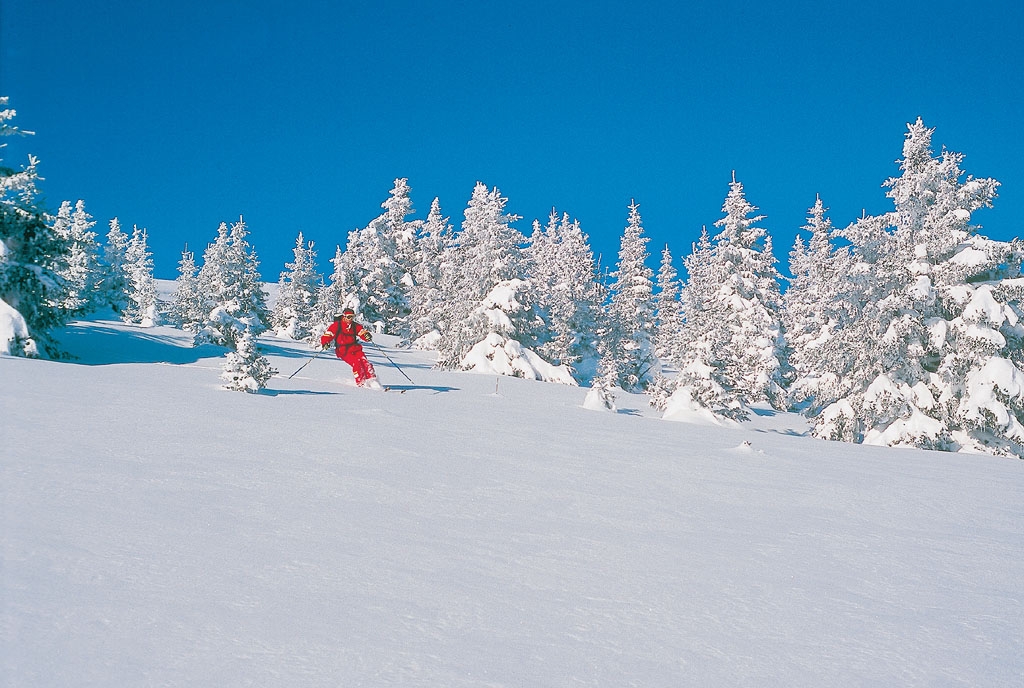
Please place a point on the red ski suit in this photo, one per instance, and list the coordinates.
(346, 335)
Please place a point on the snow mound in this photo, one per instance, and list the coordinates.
(427, 342)
(682, 406)
(496, 355)
(13, 326)
(597, 400)
(745, 447)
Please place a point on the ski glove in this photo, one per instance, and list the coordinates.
(365, 335)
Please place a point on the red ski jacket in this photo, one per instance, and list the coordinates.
(345, 334)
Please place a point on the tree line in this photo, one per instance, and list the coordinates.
(901, 329)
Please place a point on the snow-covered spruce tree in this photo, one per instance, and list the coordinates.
(249, 285)
(448, 311)
(245, 369)
(113, 288)
(884, 339)
(576, 314)
(141, 308)
(231, 281)
(668, 312)
(541, 254)
(815, 306)
(601, 396)
(375, 259)
(33, 258)
(631, 309)
(487, 251)
(81, 272)
(844, 362)
(60, 224)
(427, 299)
(982, 385)
(562, 269)
(398, 207)
(933, 358)
(294, 313)
(748, 304)
(188, 304)
(492, 319)
(338, 293)
(703, 384)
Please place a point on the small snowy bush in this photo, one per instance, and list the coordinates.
(245, 370)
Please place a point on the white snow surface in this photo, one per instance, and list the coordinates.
(159, 530)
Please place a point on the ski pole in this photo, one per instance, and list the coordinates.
(391, 362)
(306, 363)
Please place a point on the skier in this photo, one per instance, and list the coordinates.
(346, 333)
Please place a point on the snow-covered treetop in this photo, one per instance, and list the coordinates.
(491, 245)
(738, 228)
(399, 204)
(16, 188)
(933, 203)
(6, 115)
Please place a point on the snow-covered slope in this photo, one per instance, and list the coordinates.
(473, 531)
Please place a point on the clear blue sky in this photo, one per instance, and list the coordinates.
(177, 115)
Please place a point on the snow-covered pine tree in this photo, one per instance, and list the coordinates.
(631, 310)
(249, 286)
(427, 299)
(245, 369)
(231, 281)
(667, 308)
(141, 308)
(935, 353)
(981, 385)
(562, 269)
(113, 288)
(541, 256)
(703, 382)
(398, 207)
(32, 259)
(294, 313)
(486, 252)
(842, 362)
(814, 308)
(375, 258)
(554, 340)
(60, 224)
(749, 304)
(492, 319)
(82, 270)
(188, 305)
(338, 293)
(601, 396)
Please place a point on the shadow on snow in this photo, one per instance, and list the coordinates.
(281, 392)
(438, 389)
(90, 343)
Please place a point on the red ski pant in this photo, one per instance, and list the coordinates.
(362, 369)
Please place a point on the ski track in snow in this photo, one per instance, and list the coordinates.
(159, 530)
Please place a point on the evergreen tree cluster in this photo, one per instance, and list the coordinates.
(916, 338)
(901, 329)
